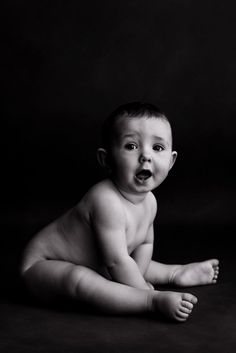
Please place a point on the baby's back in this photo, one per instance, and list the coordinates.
(69, 238)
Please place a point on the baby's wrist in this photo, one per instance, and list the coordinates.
(173, 273)
(150, 299)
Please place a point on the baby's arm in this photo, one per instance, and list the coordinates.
(109, 223)
(143, 253)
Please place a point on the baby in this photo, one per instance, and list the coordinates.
(100, 251)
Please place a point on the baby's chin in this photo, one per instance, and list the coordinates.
(142, 187)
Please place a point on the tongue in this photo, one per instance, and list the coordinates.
(144, 174)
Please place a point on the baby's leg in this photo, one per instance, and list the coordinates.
(49, 279)
(198, 273)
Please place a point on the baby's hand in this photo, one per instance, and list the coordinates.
(150, 286)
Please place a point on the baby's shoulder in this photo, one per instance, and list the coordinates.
(102, 195)
(152, 203)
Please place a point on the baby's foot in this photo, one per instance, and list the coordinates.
(174, 305)
(197, 273)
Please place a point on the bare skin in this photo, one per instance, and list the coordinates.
(100, 251)
(195, 274)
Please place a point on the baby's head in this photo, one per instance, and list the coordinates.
(137, 146)
(110, 129)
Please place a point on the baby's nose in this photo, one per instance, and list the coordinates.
(145, 157)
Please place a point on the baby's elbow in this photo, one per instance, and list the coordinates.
(116, 262)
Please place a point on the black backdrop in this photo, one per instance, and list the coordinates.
(67, 64)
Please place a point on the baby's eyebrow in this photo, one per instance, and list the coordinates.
(132, 134)
(158, 138)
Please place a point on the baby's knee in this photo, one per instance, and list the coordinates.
(73, 279)
(81, 281)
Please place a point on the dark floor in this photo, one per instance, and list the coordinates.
(25, 326)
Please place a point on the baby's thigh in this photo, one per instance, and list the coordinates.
(50, 280)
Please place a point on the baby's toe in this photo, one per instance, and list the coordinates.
(185, 310)
(189, 298)
(180, 316)
(214, 263)
(187, 304)
(215, 276)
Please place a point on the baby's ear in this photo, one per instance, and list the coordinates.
(174, 156)
(102, 157)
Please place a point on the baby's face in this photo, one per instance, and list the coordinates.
(142, 154)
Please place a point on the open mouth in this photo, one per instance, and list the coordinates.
(143, 175)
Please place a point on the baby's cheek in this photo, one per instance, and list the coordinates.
(161, 174)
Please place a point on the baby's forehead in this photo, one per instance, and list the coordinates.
(143, 125)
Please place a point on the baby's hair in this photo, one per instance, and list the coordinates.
(128, 110)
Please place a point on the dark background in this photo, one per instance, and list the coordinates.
(67, 64)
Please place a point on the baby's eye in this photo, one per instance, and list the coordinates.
(158, 148)
(131, 146)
